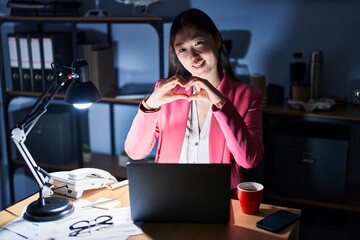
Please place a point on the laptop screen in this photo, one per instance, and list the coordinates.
(179, 192)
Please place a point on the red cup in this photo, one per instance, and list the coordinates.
(250, 195)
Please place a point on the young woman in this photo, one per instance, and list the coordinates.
(201, 113)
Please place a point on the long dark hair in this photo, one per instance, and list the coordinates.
(199, 19)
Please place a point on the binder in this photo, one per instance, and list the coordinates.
(25, 76)
(35, 63)
(47, 59)
(14, 62)
(56, 47)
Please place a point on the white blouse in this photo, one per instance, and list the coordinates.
(195, 148)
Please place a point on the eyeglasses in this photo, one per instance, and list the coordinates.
(84, 227)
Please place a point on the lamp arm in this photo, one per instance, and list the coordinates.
(45, 99)
(44, 180)
(20, 132)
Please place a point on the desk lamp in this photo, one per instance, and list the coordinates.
(81, 91)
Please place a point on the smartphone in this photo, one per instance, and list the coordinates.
(277, 221)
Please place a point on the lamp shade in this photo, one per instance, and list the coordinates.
(81, 90)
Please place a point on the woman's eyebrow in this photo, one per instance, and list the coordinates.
(178, 44)
(192, 38)
(199, 35)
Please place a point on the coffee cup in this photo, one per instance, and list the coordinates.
(250, 195)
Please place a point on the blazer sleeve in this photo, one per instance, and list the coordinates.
(143, 133)
(139, 143)
(242, 128)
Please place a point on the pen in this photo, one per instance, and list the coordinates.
(16, 233)
(99, 203)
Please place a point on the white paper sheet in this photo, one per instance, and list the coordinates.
(122, 228)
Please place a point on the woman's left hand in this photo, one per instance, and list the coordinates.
(205, 91)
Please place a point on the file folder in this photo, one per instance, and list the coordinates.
(35, 64)
(14, 62)
(25, 77)
(56, 47)
(47, 59)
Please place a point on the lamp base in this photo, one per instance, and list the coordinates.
(53, 209)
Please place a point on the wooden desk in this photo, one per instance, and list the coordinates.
(241, 226)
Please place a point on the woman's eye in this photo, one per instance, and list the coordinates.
(180, 50)
(198, 43)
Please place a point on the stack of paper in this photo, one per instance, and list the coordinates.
(122, 227)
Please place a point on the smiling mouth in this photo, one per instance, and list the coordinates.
(198, 64)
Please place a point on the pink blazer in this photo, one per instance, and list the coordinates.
(235, 130)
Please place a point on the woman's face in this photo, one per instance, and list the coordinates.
(197, 51)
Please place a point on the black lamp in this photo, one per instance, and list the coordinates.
(81, 91)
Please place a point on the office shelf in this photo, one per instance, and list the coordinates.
(14, 94)
(102, 161)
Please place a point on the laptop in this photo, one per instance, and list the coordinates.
(179, 193)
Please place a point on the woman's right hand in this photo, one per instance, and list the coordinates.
(165, 92)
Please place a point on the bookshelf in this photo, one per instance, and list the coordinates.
(9, 94)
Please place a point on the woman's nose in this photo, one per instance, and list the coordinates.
(193, 53)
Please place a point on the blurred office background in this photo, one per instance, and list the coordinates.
(271, 32)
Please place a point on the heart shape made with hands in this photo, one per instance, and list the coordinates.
(176, 88)
(194, 92)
